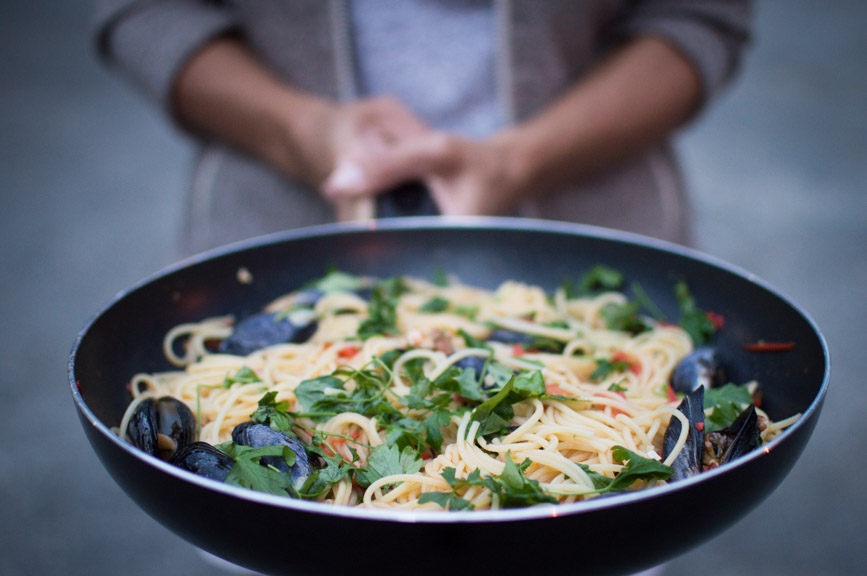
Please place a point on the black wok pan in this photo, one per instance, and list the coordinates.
(618, 534)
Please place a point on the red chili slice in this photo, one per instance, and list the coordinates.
(621, 356)
(348, 351)
(762, 346)
(717, 320)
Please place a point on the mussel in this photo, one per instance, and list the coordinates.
(688, 461)
(740, 437)
(203, 459)
(701, 367)
(307, 298)
(510, 337)
(267, 329)
(477, 363)
(259, 435)
(161, 427)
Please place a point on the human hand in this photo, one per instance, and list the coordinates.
(465, 177)
(363, 134)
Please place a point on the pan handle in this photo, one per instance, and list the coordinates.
(408, 199)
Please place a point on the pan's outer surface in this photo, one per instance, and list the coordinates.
(618, 534)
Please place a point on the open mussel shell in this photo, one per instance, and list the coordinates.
(125, 338)
(162, 426)
(688, 461)
(740, 437)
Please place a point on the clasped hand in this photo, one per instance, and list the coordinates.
(379, 144)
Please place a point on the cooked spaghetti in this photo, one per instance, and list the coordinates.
(420, 395)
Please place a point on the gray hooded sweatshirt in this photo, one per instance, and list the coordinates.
(542, 48)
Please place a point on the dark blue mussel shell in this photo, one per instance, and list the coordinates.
(203, 459)
(259, 435)
(740, 437)
(162, 426)
(307, 298)
(688, 462)
(265, 329)
(701, 367)
(477, 363)
(510, 337)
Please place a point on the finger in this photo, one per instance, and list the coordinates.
(378, 170)
(351, 209)
(415, 159)
(346, 180)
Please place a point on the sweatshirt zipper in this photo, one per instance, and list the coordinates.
(342, 47)
(503, 61)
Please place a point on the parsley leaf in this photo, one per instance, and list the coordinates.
(311, 392)
(692, 319)
(637, 468)
(605, 367)
(434, 305)
(515, 490)
(441, 278)
(274, 414)
(337, 281)
(461, 381)
(381, 310)
(433, 426)
(243, 376)
(335, 468)
(471, 341)
(385, 461)
(326, 396)
(494, 413)
(644, 300)
(249, 473)
(512, 488)
(725, 403)
(451, 500)
(624, 317)
(600, 278)
(600, 481)
(500, 374)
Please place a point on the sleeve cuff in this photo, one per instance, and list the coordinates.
(151, 42)
(713, 45)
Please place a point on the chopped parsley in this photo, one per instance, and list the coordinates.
(243, 376)
(435, 305)
(274, 414)
(381, 310)
(692, 319)
(248, 472)
(605, 367)
(724, 405)
(511, 488)
(636, 468)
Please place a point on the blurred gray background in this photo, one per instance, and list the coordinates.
(92, 181)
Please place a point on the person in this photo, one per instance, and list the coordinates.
(310, 111)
